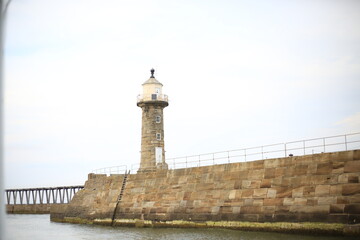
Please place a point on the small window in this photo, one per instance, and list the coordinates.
(158, 119)
(158, 136)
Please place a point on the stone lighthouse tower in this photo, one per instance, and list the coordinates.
(152, 103)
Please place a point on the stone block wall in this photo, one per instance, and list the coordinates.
(28, 208)
(315, 188)
(97, 199)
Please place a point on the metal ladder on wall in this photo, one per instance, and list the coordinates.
(120, 196)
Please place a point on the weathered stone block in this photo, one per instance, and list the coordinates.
(312, 202)
(312, 168)
(338, 167)
(256, 174)
(251, 184)
(232, 194)
(273, 201)
(322, 190)
(269, 173)
(343, 178)
(257, 164)
(326, 200)
(280, 182)
(281, 172)
(247, 193)
(215, 210)
(265, 183)
(298, 192)
(351, 189)
(354, 199)
(282, 192)
(288, 201)
(353, 179)
(356, 155)
(300, 170)
(299, 181)
(237, 184)
(260, 193)
(271, 193)
(337, 208)
(335, 190)
(352, 208)
(282, 209)
(250, 210)
(268, 209)
(310, 209)
(271, 163)
(258, 202)
(248, 202)
(300, 201)
(324, 168)
(352, 166)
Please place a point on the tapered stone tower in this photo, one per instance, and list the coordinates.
(152, 103)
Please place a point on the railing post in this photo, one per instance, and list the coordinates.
(47, 192)
(8, 195)
(14, 197)
(213, 158)
(228, 156)
(41, 195)
(345, 143)
(27, 192)
(245, 154)
(21, 196)
(199, 161)
(324, 144)
(304, 146)
(285, 149)
(186, 162)
(262, 152)
(34, 196)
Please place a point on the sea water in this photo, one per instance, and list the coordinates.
(34, 227)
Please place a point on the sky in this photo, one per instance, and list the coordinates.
(238, 74)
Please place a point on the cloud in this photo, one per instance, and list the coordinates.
(238, 74)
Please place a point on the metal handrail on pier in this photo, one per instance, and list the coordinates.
(294, 148)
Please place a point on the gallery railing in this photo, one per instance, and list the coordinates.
(295, 148)
(152, 97)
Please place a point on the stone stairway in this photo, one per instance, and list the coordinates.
(120, 195)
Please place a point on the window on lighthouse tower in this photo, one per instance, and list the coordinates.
(158, 136)
(158, 119)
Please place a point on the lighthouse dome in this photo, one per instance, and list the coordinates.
(152, 90)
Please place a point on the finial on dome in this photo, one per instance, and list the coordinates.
(152, 73)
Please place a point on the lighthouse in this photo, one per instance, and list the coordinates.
(152, 103)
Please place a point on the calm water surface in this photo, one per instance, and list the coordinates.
(39, 227)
